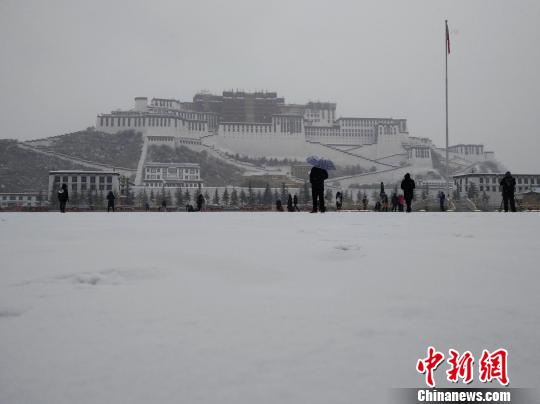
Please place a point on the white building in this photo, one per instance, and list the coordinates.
(83, 181)
(22, 199)
(488, 183)
(291, 131)
(172, 175)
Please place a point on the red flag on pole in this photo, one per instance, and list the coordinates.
(447, 38)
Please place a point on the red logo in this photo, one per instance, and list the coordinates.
(429, 364)
(492, 366)
(461, 367)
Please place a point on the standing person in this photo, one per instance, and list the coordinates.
(339, 200)
(290, 207)
(442, 198)
(395, 202)
(384, 200)
(279, 206)
(63, 197)
(408, 185)
(401, 202)
(365, 202)
(295, 203)
(316, 178)
(164, 205)
(110, 201)
(147, 206)
(200, 202)
(508, 187)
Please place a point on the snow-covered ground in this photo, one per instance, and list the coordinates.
(258, 308)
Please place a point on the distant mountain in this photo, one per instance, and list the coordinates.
(121, 149)
(23, 170)
(24, 166)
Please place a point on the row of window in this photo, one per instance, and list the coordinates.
(152, 122)
(419, 153)
(171, 170)
(17, 198)
(181, 185)
(91, 187)
(495, 180)
(468, 149)
(75, 178)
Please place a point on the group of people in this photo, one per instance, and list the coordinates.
(317, 177)
(397, 203)
(63, 199)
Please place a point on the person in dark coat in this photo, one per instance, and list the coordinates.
(442, 198)
(339, 200)
(384, 202)
(279, 206)
(316, 178)
(63, 197)
(295, 203)
(110, 201)
(365, 202)
(290, 207)
(164, 205)
(408, 185)
(200, 202)
(147, 206)
(508, 187)
(394, 201)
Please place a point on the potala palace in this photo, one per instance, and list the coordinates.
(261, 124)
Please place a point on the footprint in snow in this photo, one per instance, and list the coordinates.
(5, 313)
(347, 247)
(463, 235)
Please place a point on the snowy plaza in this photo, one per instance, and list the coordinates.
(258, 307)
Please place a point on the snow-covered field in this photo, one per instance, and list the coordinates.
(258, 308)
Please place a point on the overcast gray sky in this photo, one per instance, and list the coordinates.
(63, 62)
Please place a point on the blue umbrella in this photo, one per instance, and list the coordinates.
(321, 162)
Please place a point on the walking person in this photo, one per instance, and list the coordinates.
(164, 205)
(339, 200)
(295, 203)
(316, 178)
(442, 198)
(200, 202)
(508, 187)
(408, 185)
(279, 205)
(395, 202)
(290, 207)
(147, 206)
(63, 197)
(110, 201)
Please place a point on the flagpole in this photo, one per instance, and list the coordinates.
(446, 40)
